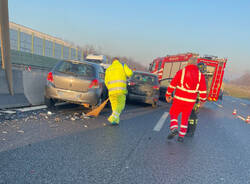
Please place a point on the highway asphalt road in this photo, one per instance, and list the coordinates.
(66, 147)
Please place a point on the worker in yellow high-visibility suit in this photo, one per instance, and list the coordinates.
(116, 81)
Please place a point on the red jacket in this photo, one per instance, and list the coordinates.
(187, 83)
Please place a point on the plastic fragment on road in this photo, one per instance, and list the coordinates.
(234, 112)
(85, 116)
(85, 126)
(43, 115)
(53, 126)
(4, 132)
(57, 120)
(72, 119)
(20, 131)
(248, 119)
(49, 113)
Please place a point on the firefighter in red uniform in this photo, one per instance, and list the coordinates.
(187, 83)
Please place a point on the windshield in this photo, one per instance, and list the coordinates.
(94, 60)
(76, 69)
(150, 79)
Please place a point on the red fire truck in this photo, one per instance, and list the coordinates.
(166, 68)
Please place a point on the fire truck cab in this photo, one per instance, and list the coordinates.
(166, 68)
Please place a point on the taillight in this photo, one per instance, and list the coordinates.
(131, 83)
(156, 87)
(94, 84)
(50, 77)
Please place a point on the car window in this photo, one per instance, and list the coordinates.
(76, 69)
(150, 79)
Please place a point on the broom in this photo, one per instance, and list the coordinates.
(95, 112)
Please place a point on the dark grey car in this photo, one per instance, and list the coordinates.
(77, 82)
(144, 87)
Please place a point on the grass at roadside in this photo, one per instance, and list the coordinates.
(237, 91)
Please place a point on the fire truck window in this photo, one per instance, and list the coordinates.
(150, 67)
(167, 70)
(175, 68)
(153, 68)
(209, 76)
(183, 64)
(159, 65)
(165, 83)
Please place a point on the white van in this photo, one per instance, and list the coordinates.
(96, 59)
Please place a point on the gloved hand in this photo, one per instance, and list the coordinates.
(169, 98)
(201, 104)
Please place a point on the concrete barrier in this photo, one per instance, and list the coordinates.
(19, 99)
(34, 85)
(28, 85)
(28, 88)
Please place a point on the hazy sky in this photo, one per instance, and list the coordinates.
(146, 29)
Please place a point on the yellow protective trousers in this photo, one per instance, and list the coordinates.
(117, 104)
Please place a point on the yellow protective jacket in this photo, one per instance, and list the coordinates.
(116, 78)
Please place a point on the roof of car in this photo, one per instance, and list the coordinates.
(86, 62)
(143, 72)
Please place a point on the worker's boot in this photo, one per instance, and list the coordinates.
(180, 139)
(116, 121)
(173, 133)
(111, 119)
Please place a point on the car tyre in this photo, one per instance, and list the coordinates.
(49, 102)
(98, 104)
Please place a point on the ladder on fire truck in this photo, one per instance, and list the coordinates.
(218, 78)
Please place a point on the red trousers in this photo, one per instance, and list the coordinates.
(180, 107)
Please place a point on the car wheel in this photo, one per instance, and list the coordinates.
(49, 102)
(97, 105)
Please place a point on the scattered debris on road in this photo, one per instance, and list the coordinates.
(20, 131)
(57, 120)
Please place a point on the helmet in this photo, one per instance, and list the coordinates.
(202, 67)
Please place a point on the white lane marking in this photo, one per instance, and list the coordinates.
(32, 108)
(8, 112)
(240, 117)
(219, 105)
(161, 122)
(243, 104)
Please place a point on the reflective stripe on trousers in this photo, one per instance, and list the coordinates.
(175, 111)
(117, 88)
(117, 104)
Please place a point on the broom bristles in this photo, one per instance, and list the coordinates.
(95, 112)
